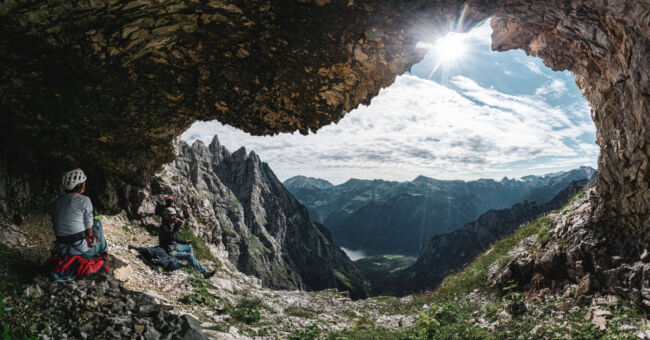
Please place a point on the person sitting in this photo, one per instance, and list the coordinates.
(180, 214)
(175, 246)
(76, 231)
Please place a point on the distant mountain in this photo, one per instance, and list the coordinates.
(399, 217)
(300, 182)
(445, 254)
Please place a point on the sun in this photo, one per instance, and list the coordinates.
(451, 47)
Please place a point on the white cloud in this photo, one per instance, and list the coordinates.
(418, 127)
(532, 66)
(555, 88)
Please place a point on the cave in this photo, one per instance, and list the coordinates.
(111, 85)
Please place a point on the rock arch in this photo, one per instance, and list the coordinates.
(112, 84)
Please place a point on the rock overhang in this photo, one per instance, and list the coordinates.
(112, 84)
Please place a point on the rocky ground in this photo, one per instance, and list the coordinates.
(231, 305)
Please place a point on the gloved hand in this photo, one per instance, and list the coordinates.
(91, 241)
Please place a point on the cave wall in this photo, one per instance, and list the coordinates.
(606, 45)
(109, 84)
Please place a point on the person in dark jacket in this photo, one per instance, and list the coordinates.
(180, 213)
(175, 246)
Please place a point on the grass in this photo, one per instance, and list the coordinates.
(229, 232)
(310, 332)
(300, 312)
(475, 275)
(457, 319)
(201, 250)
(453, 315)
(199, 295)
(565, 208)
(247, 310)
(344, 281)
(392, 257)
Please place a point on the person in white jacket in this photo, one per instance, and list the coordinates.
(76, 231)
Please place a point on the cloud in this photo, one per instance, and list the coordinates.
(419, 127)
(532, 66)
(556, 88)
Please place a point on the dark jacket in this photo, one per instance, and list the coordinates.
(168, 236)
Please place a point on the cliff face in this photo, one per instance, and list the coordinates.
(239, 206)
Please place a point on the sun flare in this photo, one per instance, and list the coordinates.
(450, 47)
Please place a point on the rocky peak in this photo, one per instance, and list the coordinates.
(240, 206)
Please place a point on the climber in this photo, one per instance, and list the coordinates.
(76, 231)
(180, 214)
(172, 244)
(169, 202)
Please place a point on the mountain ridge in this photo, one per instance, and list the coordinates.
(242, 208)
(357, 211)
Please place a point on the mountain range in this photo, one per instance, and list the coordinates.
(383, 217)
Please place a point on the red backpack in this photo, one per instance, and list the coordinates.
(69, 267)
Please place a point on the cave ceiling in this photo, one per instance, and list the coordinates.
(111, 84)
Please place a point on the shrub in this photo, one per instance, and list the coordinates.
(247, 311)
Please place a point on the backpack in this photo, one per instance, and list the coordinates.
(70, 267)
(157, 258)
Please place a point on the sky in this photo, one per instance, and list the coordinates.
(464, 112)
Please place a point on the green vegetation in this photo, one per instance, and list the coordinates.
(385, 272)
(247, 310)
(300, 312)
(576, 197)
(474, 276)
(309, 333)
(15, 270)
(229, 232)
(201, 250)
(200, 294)
(565, 208)
(344, 281)
(463, 307)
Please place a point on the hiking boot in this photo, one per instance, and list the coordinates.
(209, 274)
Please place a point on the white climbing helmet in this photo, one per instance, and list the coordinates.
(169, 211)
(72, 178)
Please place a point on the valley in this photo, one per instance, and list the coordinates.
(382, 217)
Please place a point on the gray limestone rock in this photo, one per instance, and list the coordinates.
(237, 203)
